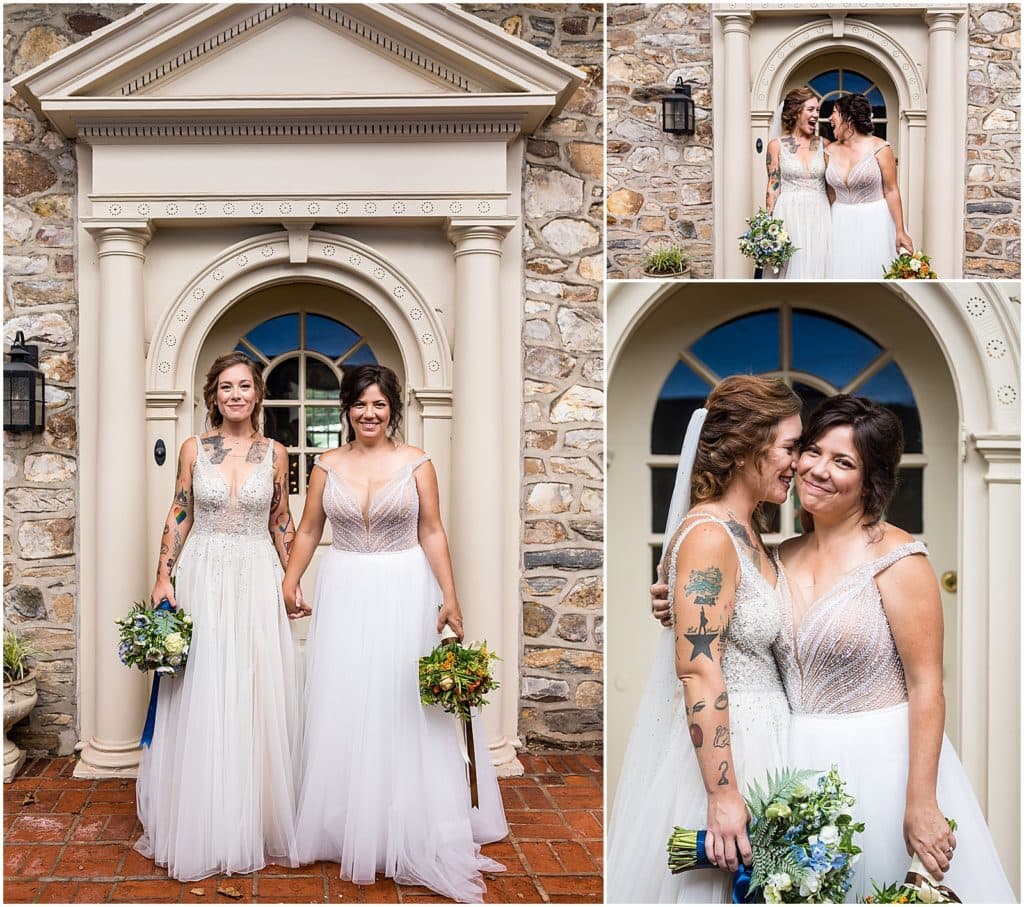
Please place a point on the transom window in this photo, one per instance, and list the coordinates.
(818, 356)
(304, 357)
(833, 84)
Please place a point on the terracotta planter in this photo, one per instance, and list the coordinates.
(20, 698)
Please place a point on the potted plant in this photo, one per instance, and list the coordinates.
(666, 261)
(20, 696)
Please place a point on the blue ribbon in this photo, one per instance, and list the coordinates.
(702, 854)
(741, 887)
(150, 726)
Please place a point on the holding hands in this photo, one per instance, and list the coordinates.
(294, 604)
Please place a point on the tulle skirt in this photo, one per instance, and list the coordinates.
(384, 783)
(807, 220)
(661, 786)
(871, 751)
(217, 789)
(863, 241)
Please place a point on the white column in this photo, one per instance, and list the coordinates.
(1001, 798)
(479, 451)
(736, 145)
(124, 574)
(938, 238)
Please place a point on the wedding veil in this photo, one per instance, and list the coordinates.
(775, 130)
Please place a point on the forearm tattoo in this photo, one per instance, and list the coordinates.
(774, 175)
(171, 540)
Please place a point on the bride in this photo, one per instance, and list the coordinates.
(796, 190)
(384, 787)
(713, 715)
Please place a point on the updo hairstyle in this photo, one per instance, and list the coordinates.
(792, 104)
(855, 109)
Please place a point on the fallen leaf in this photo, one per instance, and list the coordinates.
(229, 891)
(198, 892)
(30, 797)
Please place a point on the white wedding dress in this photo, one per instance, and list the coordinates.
(863, 233)
(217, 788)
(848, 694)
(384, 785)
(661, 785)
(803, 207)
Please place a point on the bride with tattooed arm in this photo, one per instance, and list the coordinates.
(713, 714)
(216, 789)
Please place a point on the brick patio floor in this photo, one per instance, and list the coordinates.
(70, 841)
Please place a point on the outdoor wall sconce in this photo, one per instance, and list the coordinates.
(678, 110)
(24, 388)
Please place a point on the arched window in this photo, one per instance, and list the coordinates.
(833, 84)
(818, 356)
(303, 358)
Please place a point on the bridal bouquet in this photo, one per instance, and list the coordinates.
(766, 241)
(917, 888)
(801, 837)
(911, 267)
(457, 677)
(154, 639)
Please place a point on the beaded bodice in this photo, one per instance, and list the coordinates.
(214, 508)
(747, 662)
(798, 178)
(842, 657)
(390, 521)
(863, 183)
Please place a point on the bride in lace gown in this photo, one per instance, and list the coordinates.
(216, 789)
(861, 657)
(384, 785)
(796, 190)
(867, 212)
(713, 715)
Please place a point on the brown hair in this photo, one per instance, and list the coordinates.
(743, 412)
(220, 364)
(792, 104)
(357, 380)
(855, 109)
(878, 438)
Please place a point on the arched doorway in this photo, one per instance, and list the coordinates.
(857, 340)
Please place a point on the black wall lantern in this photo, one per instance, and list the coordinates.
(24, 388)
(678, 110)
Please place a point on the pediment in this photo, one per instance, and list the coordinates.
(220, 62)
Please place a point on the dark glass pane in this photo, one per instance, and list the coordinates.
(744, 346)
(655, 560)
(321, 382)
(362, 356)
(281, 423)
(829, 348)
(663, 480)
(682, 393)
(907, 507)
(855, 83)
(773, 516)
(323, 424)
(276, 336)
(293, 473)
(881, 130)
(283, 381)
(875, 98)
(309, 467)
(826, 82)
(327, 336)
(811, 398)
(890, 388)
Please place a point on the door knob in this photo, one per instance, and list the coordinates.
(948, 581)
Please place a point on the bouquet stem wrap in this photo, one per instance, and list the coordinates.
(920, 879)
(468, 746)
(154, 695)
(686, 851)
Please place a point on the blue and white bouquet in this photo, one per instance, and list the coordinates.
(801, 836)
(154, 639)
(766, 241)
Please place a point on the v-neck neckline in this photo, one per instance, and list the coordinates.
(365, 508)
(871, 154)
(248, 476)
(805, 167)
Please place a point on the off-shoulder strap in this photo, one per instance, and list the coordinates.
(268, 457)
(897, 554)
(880, 147)
(316, 462)
(200, 453)
(419, 461)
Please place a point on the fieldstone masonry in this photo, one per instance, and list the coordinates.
(992, 226)
(563, 400)
(659, 185)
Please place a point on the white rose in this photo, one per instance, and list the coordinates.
(809, 884)
(784, 236)
(915, 264)
(773, 230)
(780, 880)
(829, 834)
(174, 644)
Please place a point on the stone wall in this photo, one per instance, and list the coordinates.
(659, 185)
(992, 234)
(40, 497)
(563, 408)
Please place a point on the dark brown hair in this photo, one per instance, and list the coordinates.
(357, 380)
(792, 104)
(743, 413)
(878, 438)
(220, 364)
(856, 110)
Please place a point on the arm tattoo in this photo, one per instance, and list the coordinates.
(790, 143)
(723, 767)
(698, 706)
(215, 449)
(721, 736)
(722, 702)
(696, 736)
(257, 451)
(701, 641)
(704, 586)
(275, 498)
